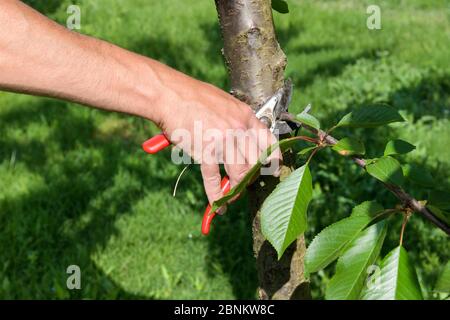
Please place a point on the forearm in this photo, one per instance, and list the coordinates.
(38, 56)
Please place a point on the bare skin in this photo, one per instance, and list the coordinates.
(40, 57)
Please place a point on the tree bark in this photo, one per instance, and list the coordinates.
(256, 66)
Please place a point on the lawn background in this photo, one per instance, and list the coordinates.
(75, 187)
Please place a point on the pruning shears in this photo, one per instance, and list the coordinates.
(269, 113)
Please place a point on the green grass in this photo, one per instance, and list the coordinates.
(75, 188)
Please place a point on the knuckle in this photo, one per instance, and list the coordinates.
(249, 114)
(237, 124)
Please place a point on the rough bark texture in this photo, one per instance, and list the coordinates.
(256, 66)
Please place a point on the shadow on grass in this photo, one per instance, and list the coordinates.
(46, 7)
(74, 214)
(331, 68)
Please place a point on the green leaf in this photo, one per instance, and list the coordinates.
(370, 161)
(253, 172)
(386, 169)
(351, 268)
(283, 213)
(367, 208)
(349, 146)
(397, 279)
(395, 147)
(308, 119)
(373, 209)
(443, 283)
(331, 241)
(306, 150)
(280, 5)
(418, 175)
(370, 116)
(439, 199)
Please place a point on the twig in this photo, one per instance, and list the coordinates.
(312, 154)
(405, 221)
(308, 139)
(407, 200)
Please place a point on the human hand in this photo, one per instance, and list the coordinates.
(214, 127)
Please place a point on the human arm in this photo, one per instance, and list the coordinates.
(40, 57)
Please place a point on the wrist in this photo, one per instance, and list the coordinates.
(145, 93)
(154, 91)
(161, 92)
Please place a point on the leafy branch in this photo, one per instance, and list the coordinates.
(402, 195)
(356, 241)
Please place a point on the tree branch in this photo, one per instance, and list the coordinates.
(407, 200)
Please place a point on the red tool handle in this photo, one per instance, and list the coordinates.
(156, 144)
(160, 142)
(208, 216)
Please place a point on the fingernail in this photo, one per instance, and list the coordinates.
(222, 210)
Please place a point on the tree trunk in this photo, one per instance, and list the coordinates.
(256, 66)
